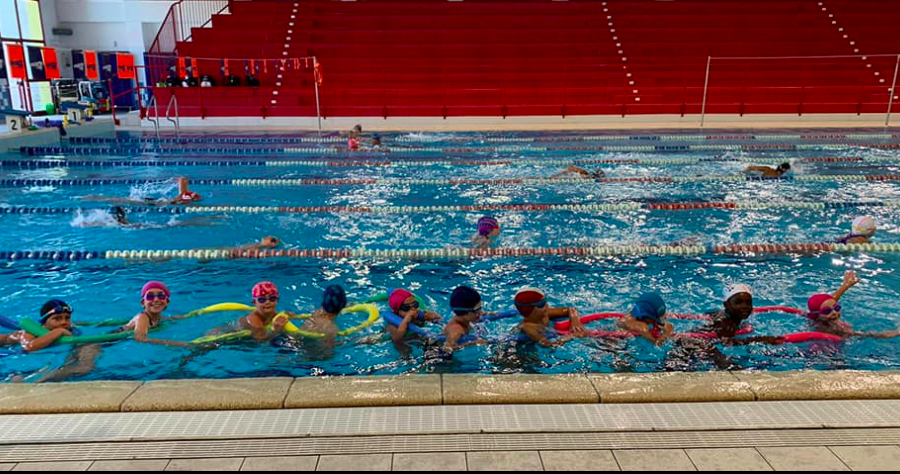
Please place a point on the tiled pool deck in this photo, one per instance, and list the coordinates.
(706, 421)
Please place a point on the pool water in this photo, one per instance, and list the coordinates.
(104, 289)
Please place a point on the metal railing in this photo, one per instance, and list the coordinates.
(155, 121)
(177, 120)
(179, 23)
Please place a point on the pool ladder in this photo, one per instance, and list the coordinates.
(176, 121)
(173, 100)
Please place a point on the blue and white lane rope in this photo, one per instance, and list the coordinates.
(408, 163)
(495, 139)
(232, 151)
(578, 208)
(445, 253)
(259, 183)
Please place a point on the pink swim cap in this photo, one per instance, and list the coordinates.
(815, 304)
(397, 298)
(265, 288)
(155, 285)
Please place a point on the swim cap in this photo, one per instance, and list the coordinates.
(527, 299)
(486, 225)
(190, 196)
(815, 304)
(397, 298)
(155, 285)
(54, 307)
(735, 289)
(335, 299)
(464, 299)
(649, 306)
(119, 213)
(864, 226)
(265, 288)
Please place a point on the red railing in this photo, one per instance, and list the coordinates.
(177, 27)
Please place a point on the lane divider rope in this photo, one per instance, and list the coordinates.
(616, 207)
(132, 150)
(63, 163)
(445, 253)
(490, 139)
(442, 182)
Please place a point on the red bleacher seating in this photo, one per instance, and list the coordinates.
(543, 57)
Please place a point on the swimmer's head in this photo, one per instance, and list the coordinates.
(155, 297)
(739, 301)
(120, 215)
(56, 314)
(824, 307)
(529, 300)
(784, 168)
(465, 301)
(864, 227)
(357, 128)
(649, 308)
(265, 297)
(488, 227)
(334, 299)
(401, 302)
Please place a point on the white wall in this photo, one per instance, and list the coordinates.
(105, 25)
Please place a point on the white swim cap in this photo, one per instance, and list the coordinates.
(736, 289)
(864, 226)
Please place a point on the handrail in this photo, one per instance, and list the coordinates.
(153, 103)
(173, 99)
(172, 29)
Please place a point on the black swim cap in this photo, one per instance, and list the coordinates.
(464, 300)
(335, 299)
(53, 307)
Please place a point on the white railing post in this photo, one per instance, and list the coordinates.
(705, 91)
(318, 105)
(887, 121)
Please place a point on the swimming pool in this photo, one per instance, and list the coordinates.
(409, 200)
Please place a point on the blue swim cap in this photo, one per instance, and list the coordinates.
(335, 299)
(649, 306)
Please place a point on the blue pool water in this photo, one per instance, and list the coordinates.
(104, 289)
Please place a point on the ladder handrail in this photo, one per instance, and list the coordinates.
(177, 122)
(153, 103)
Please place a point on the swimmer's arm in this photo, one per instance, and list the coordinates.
(743, 341)
(454, 332)
(761, 169)
(174, 318)
(433, 317)
(850, 280)
(8, 340)
(581, 171)
(536, 334)
(667, 334)
(575, 319)
(260, 334)
(634, 326)
(398, 334)
(877, 335)
(32, 344)
(265, 335)
(142, 328)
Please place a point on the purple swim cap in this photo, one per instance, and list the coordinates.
(486, 225)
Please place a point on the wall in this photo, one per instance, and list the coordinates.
(105, 25)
